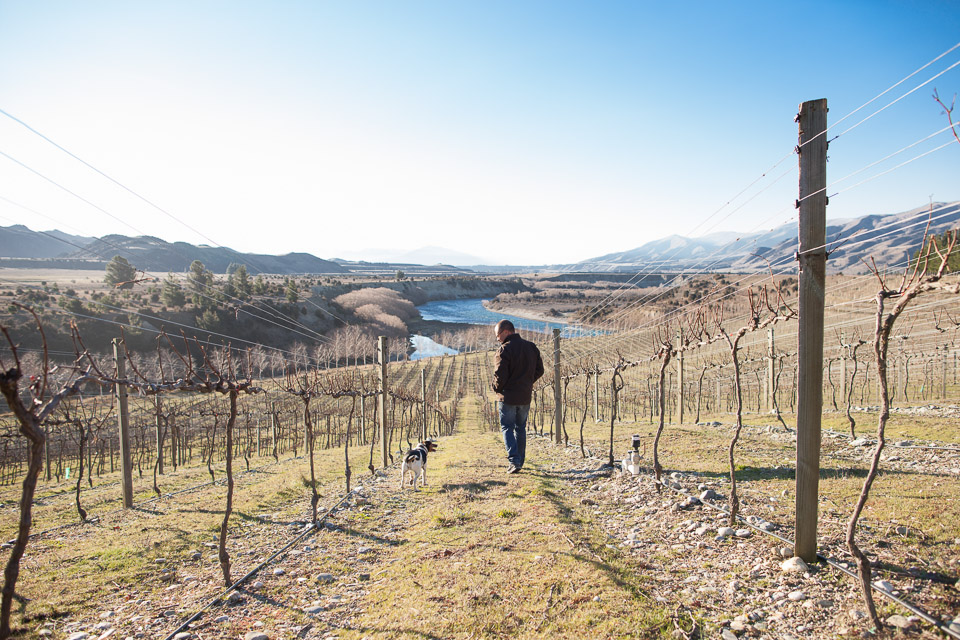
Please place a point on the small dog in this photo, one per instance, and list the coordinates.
(416, 463)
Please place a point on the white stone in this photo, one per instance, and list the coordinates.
(725, 532)
(325, 577)
(883, 584)
(900, 622)
(797, 596)
(743, 533)
(278, 572)
(794, 565)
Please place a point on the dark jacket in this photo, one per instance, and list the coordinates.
(518, 366)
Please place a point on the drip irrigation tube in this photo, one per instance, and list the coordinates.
(233, 587)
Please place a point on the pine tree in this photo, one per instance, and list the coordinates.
(172, 293)
(120, 273)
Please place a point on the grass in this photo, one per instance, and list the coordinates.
(511, 571)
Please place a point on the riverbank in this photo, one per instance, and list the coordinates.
(525, 312)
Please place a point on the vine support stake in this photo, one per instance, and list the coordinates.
(680, 376)
(557, 390)
(423, 405)
(123, 422)
(843, 366)
(382, 355)
(812, 256)
(771, 377)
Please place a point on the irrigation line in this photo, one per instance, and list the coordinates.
(233, 587)
(836, 565)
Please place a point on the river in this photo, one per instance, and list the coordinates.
(472, 311)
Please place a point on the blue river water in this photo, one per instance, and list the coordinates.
(472, 311)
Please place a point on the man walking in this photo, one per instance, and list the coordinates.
(518, 366)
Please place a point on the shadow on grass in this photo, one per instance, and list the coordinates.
(626, 578)
(400, 631)
(366, 536)
(473, 487)
(788, 473)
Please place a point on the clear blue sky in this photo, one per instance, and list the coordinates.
(520, 132)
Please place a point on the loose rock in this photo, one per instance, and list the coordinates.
(794, 565)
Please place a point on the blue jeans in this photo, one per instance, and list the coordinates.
(513, 428)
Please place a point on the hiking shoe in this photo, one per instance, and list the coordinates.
(513, 469)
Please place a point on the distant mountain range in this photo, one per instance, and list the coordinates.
(888, 239)
(20, 242)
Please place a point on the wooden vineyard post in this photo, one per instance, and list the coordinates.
(123, 422)
(943, 380)
(718, 392)
(771, 375)
(843, 368)
(423, 405)
(159, 437)
(46, 442)
(680, 378)
(382, 355)
(557, 391)
(273, 429)
(596, 396)
(813, 261)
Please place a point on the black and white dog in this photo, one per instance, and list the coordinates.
(415, 461)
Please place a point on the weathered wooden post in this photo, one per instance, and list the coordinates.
(382, 356)
(273, 429)
(843, 368)
(771, 372)
(813, 261)
(159, 436)
(596, 396)
(718, 391)
(557, 391)
(123, 422)
(680, 377)
(423, 405)
(943, 380)
(46, 449)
